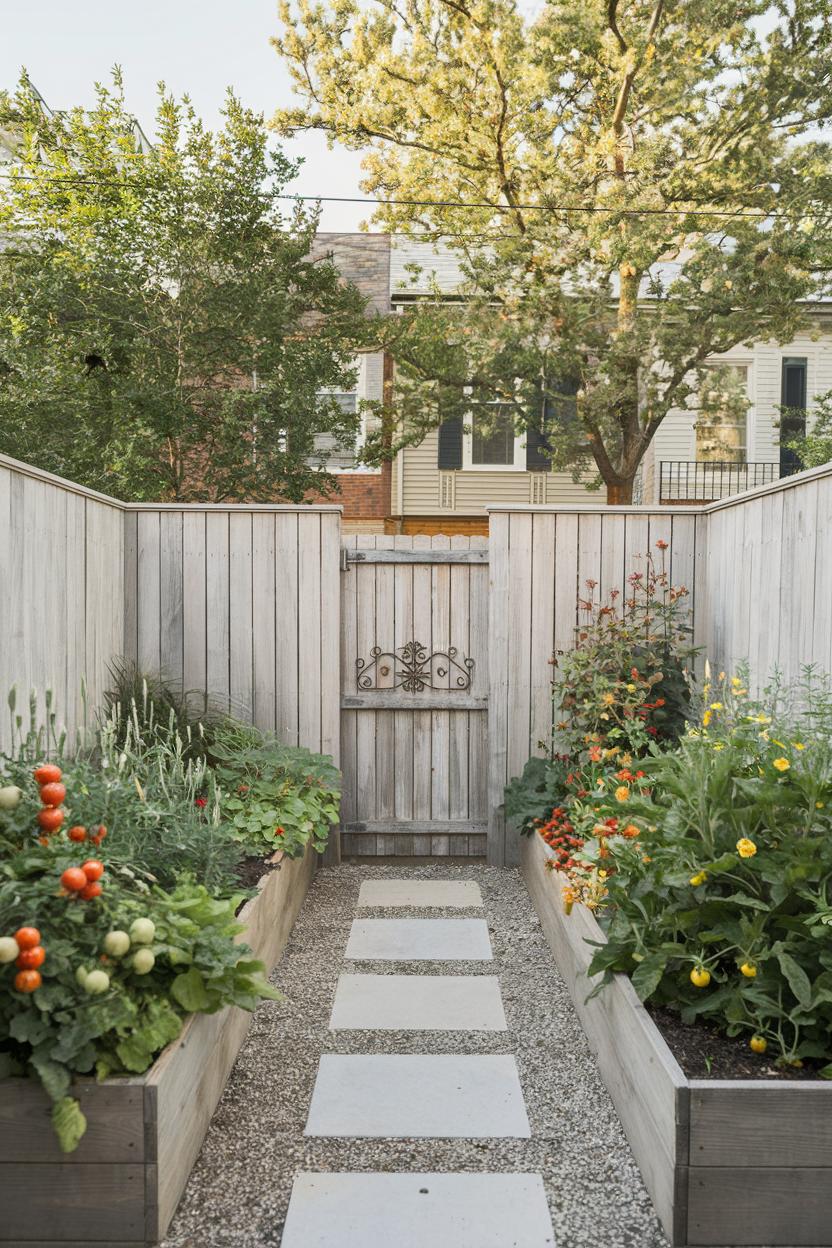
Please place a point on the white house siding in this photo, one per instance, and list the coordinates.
(473, 491)
(676, 437)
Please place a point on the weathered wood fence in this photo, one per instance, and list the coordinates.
(248, 603)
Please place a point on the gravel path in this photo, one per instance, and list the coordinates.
(239, 1190)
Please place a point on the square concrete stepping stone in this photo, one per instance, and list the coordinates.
(418, 1003)
(419, 940)
(449, 894)
(413, 1210)
(400, 1096)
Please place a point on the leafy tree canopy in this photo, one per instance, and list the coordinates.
(163, 330)
(646, 184)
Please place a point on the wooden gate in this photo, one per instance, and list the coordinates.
(414, 695)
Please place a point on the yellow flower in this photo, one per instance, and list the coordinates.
(721, 675)
(699, 878)
(706, 719)
(626, 759)
(763, 719)
(782, 764)
(603, 715)
(798, 745)
(608, 698)
(631, 688)
(719, 745)
(602, 875)
(746, 848)
(622, 793)
(716, 706)
(736, 682)
(706, 689)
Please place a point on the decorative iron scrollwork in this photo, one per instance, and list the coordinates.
(412, 669)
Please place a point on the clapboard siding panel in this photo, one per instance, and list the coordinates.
(61, 548)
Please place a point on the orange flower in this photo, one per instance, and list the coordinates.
(630, 830)
(622, 793)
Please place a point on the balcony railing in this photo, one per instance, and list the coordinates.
(705, 481)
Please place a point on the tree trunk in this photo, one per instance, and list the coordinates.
(619, 493)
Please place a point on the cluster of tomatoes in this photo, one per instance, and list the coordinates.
(52, 794)
(84, 881)
(558, 833)
(28, 954)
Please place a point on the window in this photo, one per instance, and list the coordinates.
(491, 441)
(793, 415)
(721, 425)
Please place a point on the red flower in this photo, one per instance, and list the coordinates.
(200, 801)
(662, 545)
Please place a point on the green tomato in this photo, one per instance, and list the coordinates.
(9, 948)
(81, 976)
(116, 944)
(10, 796)
(97, 982)
(143, 961)
(142, 931)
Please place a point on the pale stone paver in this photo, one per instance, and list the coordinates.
(398, 1096)
(415, 1210)
(418, 1003)
(419, 940)
(449, 894)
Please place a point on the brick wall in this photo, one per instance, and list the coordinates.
(363, 495)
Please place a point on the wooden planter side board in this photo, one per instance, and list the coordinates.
(740, 1162)
(120, 1188)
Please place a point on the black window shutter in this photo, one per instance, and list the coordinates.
(537, 451)
(557, 408)
(450, 444)
(793, 421)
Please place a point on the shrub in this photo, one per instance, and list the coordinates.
(627, 681)
(721, 907)
(274, 795)
(117, 963)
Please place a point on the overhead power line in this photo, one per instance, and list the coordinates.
(761, 214)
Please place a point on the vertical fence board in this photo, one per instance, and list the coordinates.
(194, 590)
(216, 607)
(286, 627)
(241, 614)
(171, 595)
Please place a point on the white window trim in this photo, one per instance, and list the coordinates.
(517, 465)
(360, 393)
(741, 359)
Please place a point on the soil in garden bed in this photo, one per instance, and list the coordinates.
(251, 870)
(703, 1052)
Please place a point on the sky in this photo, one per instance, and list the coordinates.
(194, 46)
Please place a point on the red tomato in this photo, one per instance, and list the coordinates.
(52, 794)
(77, 833)
(73, 879)
(93, 869)
(48, 773)
(93, 889)
(101, 833)
(27, 981)
(31, 959)
(50, 818)
(27, 937)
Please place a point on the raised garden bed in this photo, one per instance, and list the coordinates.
(726, 1161)
(123, 1183)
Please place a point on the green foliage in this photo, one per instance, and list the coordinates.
(164, 330)
(733, 869)
(531, 796)
(149, 707)
(627, 681)
(610, 157)
(61, 1029)
(815, 448)
(282, 795)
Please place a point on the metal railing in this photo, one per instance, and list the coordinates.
(705, 481)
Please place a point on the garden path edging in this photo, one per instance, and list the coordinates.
(740, 1162)
(120, 1188)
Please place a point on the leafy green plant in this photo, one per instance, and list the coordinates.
(150, 709)
(282, 796)
(531, 796)
(722, 908)
(119, 971)
(627, 681)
